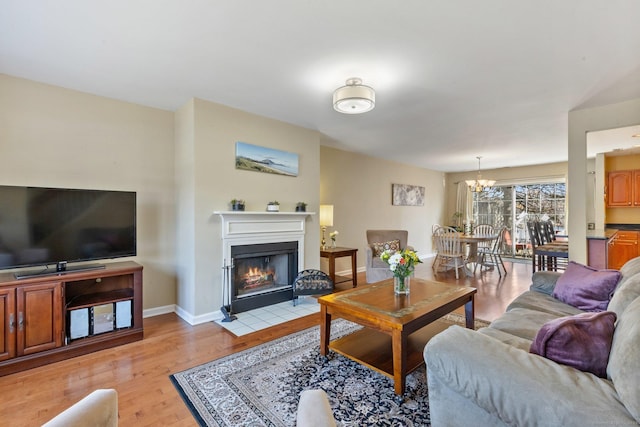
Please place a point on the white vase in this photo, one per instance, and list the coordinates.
(401, 285)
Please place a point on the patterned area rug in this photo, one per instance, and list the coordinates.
(261, 386)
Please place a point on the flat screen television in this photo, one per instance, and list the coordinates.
(44, 226)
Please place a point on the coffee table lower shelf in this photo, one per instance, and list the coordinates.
(373, 348)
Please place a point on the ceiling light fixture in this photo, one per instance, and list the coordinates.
(354, 98)
(478, 185)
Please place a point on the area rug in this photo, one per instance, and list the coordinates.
(261, 386)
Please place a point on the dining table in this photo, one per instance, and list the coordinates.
(472, 241)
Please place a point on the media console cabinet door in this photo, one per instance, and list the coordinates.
(39, 322)
(7, 323)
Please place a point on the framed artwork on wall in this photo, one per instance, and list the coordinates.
(263, 159)
(407, 195)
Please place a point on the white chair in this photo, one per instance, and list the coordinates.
(493, 256)
(434, 228)
(483, 230)
(449, 249)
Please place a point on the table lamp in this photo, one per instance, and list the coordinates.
(326, 220)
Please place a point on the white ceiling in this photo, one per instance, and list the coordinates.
(455, 79)
(615, 142)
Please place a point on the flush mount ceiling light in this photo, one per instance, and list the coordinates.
(354, 98)
(479, 184)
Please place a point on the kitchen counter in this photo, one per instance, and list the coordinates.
(601, 234)
(610, 230)
(631, 227)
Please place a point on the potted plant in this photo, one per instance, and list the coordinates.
(273, 206)
(237, 205)
(455, 218)
(301, 207)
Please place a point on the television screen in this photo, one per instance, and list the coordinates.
(40, 226)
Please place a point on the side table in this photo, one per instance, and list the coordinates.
(332, 253)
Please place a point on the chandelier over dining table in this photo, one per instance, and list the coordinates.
(478, 185)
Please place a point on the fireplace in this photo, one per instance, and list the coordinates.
(262, 252)
(262, 274)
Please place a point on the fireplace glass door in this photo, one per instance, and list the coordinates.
(263, 274)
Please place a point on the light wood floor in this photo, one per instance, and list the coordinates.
(140, 371)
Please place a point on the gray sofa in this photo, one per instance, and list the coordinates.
(489, 378)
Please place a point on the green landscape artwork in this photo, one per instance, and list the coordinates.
(262, 159)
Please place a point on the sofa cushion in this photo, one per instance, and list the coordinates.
(379, 247)
(586, 288)
(624, 360)
(512, 340)
(522, 322)
(544, 281)
(534, 300)
(627, 290)
(582, 341)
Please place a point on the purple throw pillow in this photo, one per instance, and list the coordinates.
(582, 341)
(586, 288)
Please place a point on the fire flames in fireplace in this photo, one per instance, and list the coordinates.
(257, 277)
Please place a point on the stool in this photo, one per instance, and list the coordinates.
(311, 282)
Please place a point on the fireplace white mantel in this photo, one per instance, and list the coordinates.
(252, 227)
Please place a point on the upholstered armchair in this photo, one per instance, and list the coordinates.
(98, 409)
(377, 242)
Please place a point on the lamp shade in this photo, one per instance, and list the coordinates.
(354, 98)
(326, 215)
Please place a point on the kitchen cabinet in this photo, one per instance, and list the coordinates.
(636, 188)
(623, 188)
(622, 247)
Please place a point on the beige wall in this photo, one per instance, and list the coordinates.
(50, 136)
(185, 207)
(207, 180)
(359, 188)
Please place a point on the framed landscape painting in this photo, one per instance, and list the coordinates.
(262, 159)
(407, 195)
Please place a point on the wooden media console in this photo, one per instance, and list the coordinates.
(36, 314)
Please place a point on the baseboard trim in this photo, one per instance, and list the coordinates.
(157, 311)
(196, 320)
(183, 314)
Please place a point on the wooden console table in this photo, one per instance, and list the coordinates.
(332, 253)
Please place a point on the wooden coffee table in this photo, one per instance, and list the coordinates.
(396, 327)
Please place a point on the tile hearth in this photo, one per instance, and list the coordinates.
(264, 317)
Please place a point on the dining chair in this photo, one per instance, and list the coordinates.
(434, 228)
(484, 230)
(493, 256)
(533, 227)
(449, 249)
